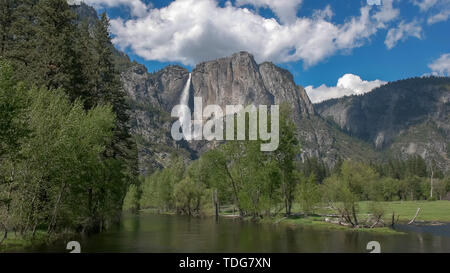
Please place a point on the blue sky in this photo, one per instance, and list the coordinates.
(317, 41)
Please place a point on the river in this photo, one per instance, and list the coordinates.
(151, 233)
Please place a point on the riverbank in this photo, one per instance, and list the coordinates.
(16, 242)
(431, 213)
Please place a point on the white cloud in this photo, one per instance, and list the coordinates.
(286, 10)
(425, 5)
(441, 66)
(347, 85)
(441, 16)
(137, 7)
(192, 31)
(323, 14)
(386, 13)
(438, 10)
(402, 32)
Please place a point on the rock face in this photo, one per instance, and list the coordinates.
(280, 83)
(240, 80)
(230, 81)
(151, 98)
(235, 80)
(161, 89)
(402, 118)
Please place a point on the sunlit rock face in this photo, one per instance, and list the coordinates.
(240, 80)
(234, 80)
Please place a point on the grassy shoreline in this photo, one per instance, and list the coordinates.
(431, 212)
(17, 242)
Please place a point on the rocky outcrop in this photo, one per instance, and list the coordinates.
(240, 80)
(280, 83)
(230, 81)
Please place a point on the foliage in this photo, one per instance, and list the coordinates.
(309, 193)
(67, 158)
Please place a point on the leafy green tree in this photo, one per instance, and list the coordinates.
(13, 131)
(343, 191)
(190, 196)
(340, 195)
(309, 194)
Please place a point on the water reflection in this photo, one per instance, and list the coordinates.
(161, 233)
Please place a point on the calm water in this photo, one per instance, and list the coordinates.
(161, 233)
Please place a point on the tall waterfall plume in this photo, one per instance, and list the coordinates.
(185, 119)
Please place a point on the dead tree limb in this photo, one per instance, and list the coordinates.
(414, 219)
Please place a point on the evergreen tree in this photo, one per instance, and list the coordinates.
(285, 155)
(108, 89)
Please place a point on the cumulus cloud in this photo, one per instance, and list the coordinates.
(137, 7)
(286, 10)
(402, 32)
(441, 66)
(347, 85)
(192, 31)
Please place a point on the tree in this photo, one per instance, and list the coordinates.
(13, 104)
(108, 89)
(13, 130)
(190, 196)
(338, 193)
(354, 183)
(285, 155)
(308, 193)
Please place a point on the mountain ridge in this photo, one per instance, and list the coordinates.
(389, 115)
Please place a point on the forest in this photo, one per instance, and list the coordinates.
(66, 155)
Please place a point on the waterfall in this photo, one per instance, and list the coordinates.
(185, 95)
(185, 119)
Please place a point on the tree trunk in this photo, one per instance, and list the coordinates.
(55, 210)
(414, 219)
(354, 215)
(431, 182)
(216, 204)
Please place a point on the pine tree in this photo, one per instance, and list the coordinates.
(17, 32)
(108, 89)
(57, 66)
(286, 154)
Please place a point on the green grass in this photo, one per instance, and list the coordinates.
(318, 222)
(17, 242)
(430, 211)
